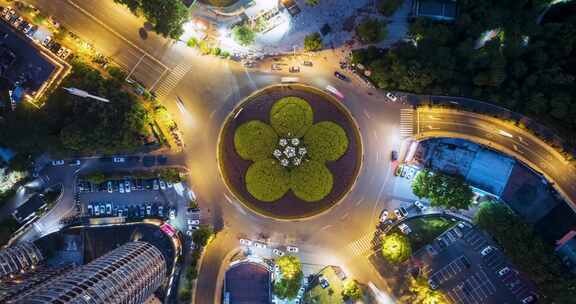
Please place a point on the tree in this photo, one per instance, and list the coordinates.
(20, 162)
(312, 2)
(166, 16)
(420, 293)
(389, 7)
(96, 177)
(171, 175)
(396, 248)
(351, 290)
(371, 31)
(313, 42)
(201, 236)
(243, 35)
(291, 277)
(442, 190)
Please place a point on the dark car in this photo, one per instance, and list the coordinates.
(340, 76)
(308, 63)
(394, 155)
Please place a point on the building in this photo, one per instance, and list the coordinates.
(247, 282)
(128, 274)
(19, 258)
(566, 250)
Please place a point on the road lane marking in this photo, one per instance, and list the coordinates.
(359, 201)
(326, 227)
(366, 114)
(363, 245)
(344, 216)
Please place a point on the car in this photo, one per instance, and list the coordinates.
(148, 210)
(324, 283)
(60, 51)
(334, 91)
(294, 69)
(32, 31)
(162, 185)
(172, 213)
(307, 63)
(393, 155)
(169, 185)
(109, 187)
(24, 27)
(292, 249)
(529, 299)
(108, 208)
(193, 227)
(260, 245)
(276, 67)
(420, 205)
(383, 216)
(278, 252)
(96, 211)
(74, 162)
(66, 53)
(399, 170)
(391, 96)
(121, 187)
(17, 22)
(118, 159)
(486, 251)
(127, 186)
(340, 76)
(398, 214)
(405, 228)
(403, 211)
(410, 172)
(90, 209)
(119, 212)
(193, 222)
(141, 210)
(189, 233)
(58, 162)
(161, 211)
(433, 284)
(102, 210)
(46, 41)
(155, 185)
(502, 272)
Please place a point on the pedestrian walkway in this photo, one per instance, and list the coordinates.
(406, 122)
(363, 246)
(174, 77)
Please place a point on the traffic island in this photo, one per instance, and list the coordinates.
(289, 152)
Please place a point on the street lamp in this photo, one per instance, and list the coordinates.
(84, 94)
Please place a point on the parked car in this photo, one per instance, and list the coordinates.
(109, 187)
(74, 162)
(161, 211)
(403, 211)
(155, 185)
(393, 155)
(307, 63)
(162, 185)
(118, 159)
(260, 245)
(127, 186)
(108, 209)
(419, 205)
(148, 210)
(292, 249)
(193, 222)
(172, 213)
(404, 228)
(294, 69)
(383, 216)
(324, 283)
(278, 252)
(121, 187)
(58, 162)
(502, 272)
(245, 242)
(433, 284)
(90, 209)
(487, 250)
(340, 76)
(398, 214)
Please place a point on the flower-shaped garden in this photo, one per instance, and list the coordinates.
(289, 152)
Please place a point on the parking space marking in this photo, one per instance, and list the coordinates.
(474, 290)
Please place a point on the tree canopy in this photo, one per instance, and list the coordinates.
(167, 16)
(371, 31)
(291, 270)
(313, 42)
(442, 190)
(243, 35)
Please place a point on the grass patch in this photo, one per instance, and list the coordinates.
(291, 117)
(330, 295)
(311, 181)
(267, 181)
(326, 141)
(255, 140)
(426, 229)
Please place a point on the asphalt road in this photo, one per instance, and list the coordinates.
(504, 137)
(211, 88)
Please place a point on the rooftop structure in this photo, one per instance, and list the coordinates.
(18, 258)
(128, 274)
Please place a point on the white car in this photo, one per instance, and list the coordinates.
(391, 96)
(260, 245)
(118, 159)
(148, 210)
(162, 185)
(278, 252)
(189, 233)
(404, 228)
(109, 187)
(127, 186)
(121, 187)
(58, 162)
(172, 214)
(292, 249)
(420, 205)
(169, 185)
(74, 163)
(486, 251)
(502, 272)
(384, 216)
(108, 209)
(193, 222)
(155, 185)
(398, 214)
(245, 242)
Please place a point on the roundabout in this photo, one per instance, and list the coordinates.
(289, 152)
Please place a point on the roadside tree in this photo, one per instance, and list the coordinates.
(442, 190)
(313, 42)
(243, 35)
(371, 31)
(389, 7)
(351, 290)
(289, 284)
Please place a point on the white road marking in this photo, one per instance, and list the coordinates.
(326, 227)
(366, 114)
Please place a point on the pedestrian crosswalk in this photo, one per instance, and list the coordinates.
(407, 122)
(174, 77)
(363, 246)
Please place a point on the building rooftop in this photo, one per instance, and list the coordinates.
(247, 283)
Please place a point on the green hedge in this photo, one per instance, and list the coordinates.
(326, 141)
(311, 181)
(267, 180)
(291, 117)
(255, 140)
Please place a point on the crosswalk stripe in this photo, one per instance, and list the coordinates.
(174, 77)
(406, 122)
(362, 246)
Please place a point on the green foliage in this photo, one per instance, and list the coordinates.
(20, 162)
(184, 295)
(255, 140)
(171, 175)
(291, 117)
(7, 228)
(167, 16)
(220, 3)
(192, 42)
(267, 180)
(243, 35)
(117, 73)
(313, 42)
(291, 270)
(371, 31)
(396, 248)
(527, 251)
(200, 237)
(351, 290)
(326, 141)
(96, 177)
(312, 2)
(426, 229)
(311, 181)
(442, 190)
(389, 7)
